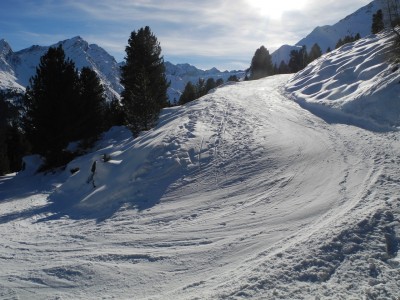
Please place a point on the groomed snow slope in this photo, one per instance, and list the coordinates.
(241, 194)
(357, 79)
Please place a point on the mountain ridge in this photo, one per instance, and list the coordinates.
(327, 36)
(16, 68)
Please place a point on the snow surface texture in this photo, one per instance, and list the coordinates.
(357, 80)
(241, 194)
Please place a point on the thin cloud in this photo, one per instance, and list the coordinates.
(213, 29)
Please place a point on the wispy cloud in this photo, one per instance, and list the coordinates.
(218, 29)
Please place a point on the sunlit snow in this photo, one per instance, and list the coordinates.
(241, 194)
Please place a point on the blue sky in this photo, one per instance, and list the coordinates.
(207, 33)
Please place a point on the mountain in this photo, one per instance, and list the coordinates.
(243, 195)
(179, 75)
(327, 36)
(16, 68)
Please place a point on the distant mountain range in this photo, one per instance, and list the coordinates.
(16, 68)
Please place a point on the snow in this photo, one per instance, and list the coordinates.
(240, 194)
(16, 68)
(283, 54)
(357, 80)
(328, 35)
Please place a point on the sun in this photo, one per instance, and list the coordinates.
(274, 9)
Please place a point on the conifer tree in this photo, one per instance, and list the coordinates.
(13, 145)
(50, 102)
(261, 64)
(114, 115)
(201, 88)
(210, 84)
(90, 120)
(315, 52)
(283, 68)
(377, 22)
(4, 161)
(62, 106)
(298, 59)
(144, 81)
(233, 78)
(189, 94)
(220, 81)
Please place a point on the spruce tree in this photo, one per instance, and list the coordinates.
(298, 59)
(283, 68)
(50, 102)
(261, 64)
(315, 52)
(93, 105)
(201, 88)
(220, 81)
(210, 84)
(4, 161)
(188, 94)
(13, 145)
(377, 22)
(144, 81)
(233, 78)
(62, 106)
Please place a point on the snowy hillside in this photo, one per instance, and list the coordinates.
(16, 68)
(355, 80)
(327, 36)
(242, 194)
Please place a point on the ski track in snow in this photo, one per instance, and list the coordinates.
(268, 201)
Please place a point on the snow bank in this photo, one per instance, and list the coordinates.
(357, 79)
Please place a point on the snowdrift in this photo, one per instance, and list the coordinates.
(357, 81)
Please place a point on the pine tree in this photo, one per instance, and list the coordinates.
(233, 78)
(13, 145)
(261, 64)
(377, 22)
(220, 81)
(315, 52)
(51, 101)
(62, 107)
(90, 120)
(283, 68)
(347, 39)
(4, 161)
(144, 81)
(114, 115)
(188, 94)
(298, 59)
(210, 84)
(200, 88)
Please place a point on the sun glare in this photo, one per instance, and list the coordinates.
(274, 9)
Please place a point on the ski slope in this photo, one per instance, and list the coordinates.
(241, 194)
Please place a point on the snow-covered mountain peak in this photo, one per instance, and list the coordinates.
(75, 43)
(20, 66)
(5, 48)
